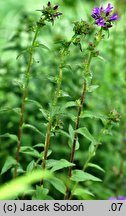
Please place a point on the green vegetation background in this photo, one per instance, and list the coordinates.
(109, 74)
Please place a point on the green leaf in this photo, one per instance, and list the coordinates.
(58, 184)
(33, 128)
(91, 115)
(79, 176)
(35, 102)
(85, 132)
(92, 88)
(17, 186)
(70, 142)
(41, 194)
(6, 109)
(31, 166)
(11, 136)
(82, 193)
(91, 149)
(30, 151)
(96, 166)
(43, 46)
(9, 163)
(44, 113)
(70, 104)
(48, 154)
(60, 164)
(39, 145)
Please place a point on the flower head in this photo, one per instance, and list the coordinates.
(103, 16)
(49, 13)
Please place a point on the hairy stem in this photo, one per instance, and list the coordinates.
(75, 137)
(49, 127)
(87, 73)
(25, 94)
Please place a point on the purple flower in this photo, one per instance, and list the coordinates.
(118, 198)
(57, 14)
(100, 21)
(49, 4)
(55, 7)
(103, 16)
(108, 9)
(114, 17)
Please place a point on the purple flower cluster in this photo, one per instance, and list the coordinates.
(118, 198)
(103, 16)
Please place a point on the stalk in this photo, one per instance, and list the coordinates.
(49, 127)
(87, 73)
(24, 98)
(76, 130)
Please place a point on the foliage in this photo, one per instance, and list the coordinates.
(62, 102)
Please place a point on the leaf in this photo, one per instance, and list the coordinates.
(39, 145)
(79, 176)
(35, 102)
(58, 184)
(82, 193)
(70, 142)
(9, 163)
(6, 109)
(33, 128)
(85, 132)
(92, 88)
(91, 115)
(30, 151)
(60, 164)
(48, 154)
(43, 46)
(91, 149)
(96, 166)
(31, 166)
(70, 104)
(11, 136)
(17, 186)
(41, 194)
(44, 113)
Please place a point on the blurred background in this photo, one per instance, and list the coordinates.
(16, 18)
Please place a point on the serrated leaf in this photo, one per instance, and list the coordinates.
(85, 132)
(33, 128)
(61, 164)
(79, 176)
(30, 151)
(58, 184)
(11, 136)
(95, 166)
(9, 163)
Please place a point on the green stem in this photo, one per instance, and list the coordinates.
(25, 94)
(49, 127)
